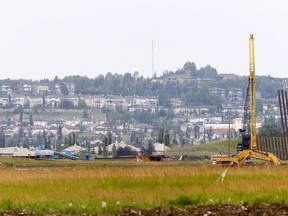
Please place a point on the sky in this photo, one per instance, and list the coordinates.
(44, 38)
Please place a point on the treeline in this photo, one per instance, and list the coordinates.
(192, 91)
(129, 84)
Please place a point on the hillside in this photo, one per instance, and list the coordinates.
(207, 149)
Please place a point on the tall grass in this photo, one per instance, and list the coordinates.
(107, 188)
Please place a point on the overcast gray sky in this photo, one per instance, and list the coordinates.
(40, 39)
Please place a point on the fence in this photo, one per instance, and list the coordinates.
(276, 144)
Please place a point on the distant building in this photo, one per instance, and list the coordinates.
(24, 87)
(6, 89)
(41, 88)
(234, 94)
(218, 91)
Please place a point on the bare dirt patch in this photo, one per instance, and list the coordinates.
(208, 210)
(212, 210)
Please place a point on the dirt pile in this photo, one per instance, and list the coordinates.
(211, 210)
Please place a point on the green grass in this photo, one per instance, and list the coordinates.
(78, 187)
(207, 149)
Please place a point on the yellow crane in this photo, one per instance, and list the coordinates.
(248, 145)
(252, 94)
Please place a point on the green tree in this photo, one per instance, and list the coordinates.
(2, 138)
(31, 122)
(59, 134)
(70, 139)
(56, 79)
(8, 121)
(109, 138)
(174, 140)
(207, 71)
(125, 151)
(161, 135)
(74, 138)
(133, 137)
(39, 140)
(150, 149)
(45, 143)
(167, 138)
(88, 145)
(26, 143)
(100, 152)
(85, 114)
(104, 146)
(114, 151)
(63, 89)
(82, 104)
(43, 102)
(196, 131)
(66, 104)
(270, 129)
(190, 68)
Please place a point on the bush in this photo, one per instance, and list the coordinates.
(186, 201)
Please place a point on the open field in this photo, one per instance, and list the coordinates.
(101, 186)
(206, 149)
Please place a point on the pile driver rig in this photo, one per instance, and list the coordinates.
(247, 149)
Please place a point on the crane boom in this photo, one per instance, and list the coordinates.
(252, 89)
(248, 146)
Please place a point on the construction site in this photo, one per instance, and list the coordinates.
(252, 147)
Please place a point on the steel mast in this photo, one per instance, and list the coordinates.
(252, 94)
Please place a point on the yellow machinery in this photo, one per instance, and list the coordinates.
(248, 145)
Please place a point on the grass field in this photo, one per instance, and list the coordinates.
(102, 186)
(207, 149)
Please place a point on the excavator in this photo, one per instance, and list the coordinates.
(247, 149)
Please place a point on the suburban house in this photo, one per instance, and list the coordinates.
(35, 101)
(4, 101)
(74, 99)
(188, 110)
(6, 89)
(18, 100)
(9, 131)
(41, 122)
(24, 87)
(234, 94)
(60, 88)
(175, 102)
(66, 130)
(53, 101)
(41, 88)
(35, 129)
(218, 91)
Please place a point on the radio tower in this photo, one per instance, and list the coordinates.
(152, 58)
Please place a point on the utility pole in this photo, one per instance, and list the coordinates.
(164, 140)
(229, 131)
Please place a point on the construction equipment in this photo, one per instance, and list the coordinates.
(247, 149)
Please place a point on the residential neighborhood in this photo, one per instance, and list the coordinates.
(87, 119)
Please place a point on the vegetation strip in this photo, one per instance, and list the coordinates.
(109, 186)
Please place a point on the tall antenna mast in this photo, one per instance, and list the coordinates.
(152, 58)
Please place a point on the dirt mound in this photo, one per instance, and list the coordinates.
(208, 210)
(218, 209)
